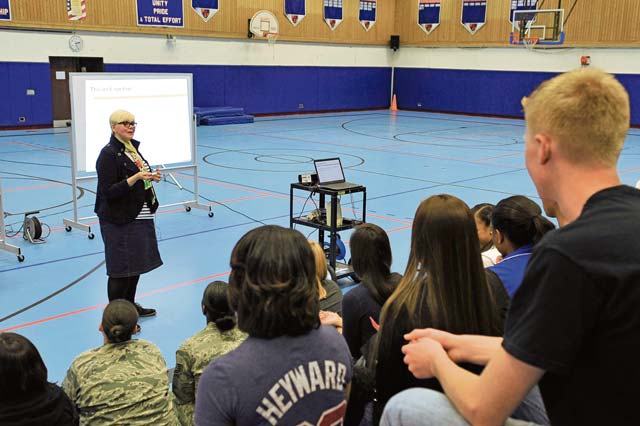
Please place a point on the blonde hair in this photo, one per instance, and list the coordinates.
(120, 115)
(321, 267)
(586, 110)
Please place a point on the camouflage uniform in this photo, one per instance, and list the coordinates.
(192, 357)
(121, 384)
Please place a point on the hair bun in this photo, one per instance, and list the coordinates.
(116, 330)
(225, 323)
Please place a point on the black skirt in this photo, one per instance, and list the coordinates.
(130, 249)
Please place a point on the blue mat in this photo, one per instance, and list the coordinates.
(226, 111)
(213, 121)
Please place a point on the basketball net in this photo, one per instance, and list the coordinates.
(271, 39)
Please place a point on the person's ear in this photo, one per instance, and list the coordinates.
(498, 238)
(100, 328)
(204, 310)
(545, 146)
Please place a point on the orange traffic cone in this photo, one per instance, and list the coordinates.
(394, 104)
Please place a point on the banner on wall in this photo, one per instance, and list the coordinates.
(428, 15)
(5, 10)
(474, 15)
(367, 14)
(333, 13)
(76, 10)
(205, 8)
(159, 13)
(522, 5)
(295, 10)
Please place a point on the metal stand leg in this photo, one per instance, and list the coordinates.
(4, 245)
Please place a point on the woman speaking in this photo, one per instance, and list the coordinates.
(125, 204)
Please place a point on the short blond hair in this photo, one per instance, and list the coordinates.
(586, 110)
(120, 115)
(321, 267)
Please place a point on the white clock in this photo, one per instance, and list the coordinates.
(76, 43)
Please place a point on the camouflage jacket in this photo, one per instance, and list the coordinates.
(121, 384)
(192, 357)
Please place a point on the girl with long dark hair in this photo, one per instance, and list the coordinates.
(444, 286)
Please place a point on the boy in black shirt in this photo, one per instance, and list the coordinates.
(574, 325)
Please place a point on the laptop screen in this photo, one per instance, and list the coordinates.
(329, 170)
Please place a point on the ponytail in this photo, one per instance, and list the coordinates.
(520, 220)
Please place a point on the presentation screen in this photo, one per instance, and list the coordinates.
(161, 103)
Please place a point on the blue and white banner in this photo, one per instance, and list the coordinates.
(367, 14)
(333, 13)
(5, 10)
(474, 14)
(428, 15)
(205, 8)
(522, 5)
(160, 13)
(295, 10)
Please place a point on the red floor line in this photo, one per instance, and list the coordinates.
(102, 305)
(25, 188)
(402, 228)
(497, 156)
(630, 170)
(60, 151)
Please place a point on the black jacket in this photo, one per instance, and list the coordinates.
(116, 202)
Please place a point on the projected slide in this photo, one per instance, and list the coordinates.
(162, 105)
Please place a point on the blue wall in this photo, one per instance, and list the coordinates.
(482, 92)
(15, 79)
(271, 89)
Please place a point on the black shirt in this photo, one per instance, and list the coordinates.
(51, 407)
(577, 313)
(393, 375)
(358, 305)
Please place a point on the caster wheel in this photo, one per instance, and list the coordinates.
(67, 228)
(210, 214)
(20, 258)
(188, 208)
(91, 236)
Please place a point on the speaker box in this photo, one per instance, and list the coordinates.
(394, 42)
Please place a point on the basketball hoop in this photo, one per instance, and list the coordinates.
(528, 42)
(271, 38)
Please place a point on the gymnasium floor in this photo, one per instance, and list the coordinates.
(245, 170)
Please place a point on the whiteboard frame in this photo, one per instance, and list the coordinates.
(192, 165)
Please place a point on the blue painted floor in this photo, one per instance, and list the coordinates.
(245, 172)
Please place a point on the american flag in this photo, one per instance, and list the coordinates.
(76, 10)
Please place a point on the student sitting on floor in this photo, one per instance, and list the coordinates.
(445, 285)
(26, 397)
(517, 225)
(219, 337)
(291, 370)
(329, 292)
(124, 381)
(482, 215)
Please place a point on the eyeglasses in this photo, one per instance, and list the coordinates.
(128, 123)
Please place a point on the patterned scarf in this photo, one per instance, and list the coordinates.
(142, 166)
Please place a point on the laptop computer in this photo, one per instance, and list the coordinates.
(331, 175)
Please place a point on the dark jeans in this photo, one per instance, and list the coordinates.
(122, 288)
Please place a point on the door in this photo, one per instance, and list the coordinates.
(60, 67)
